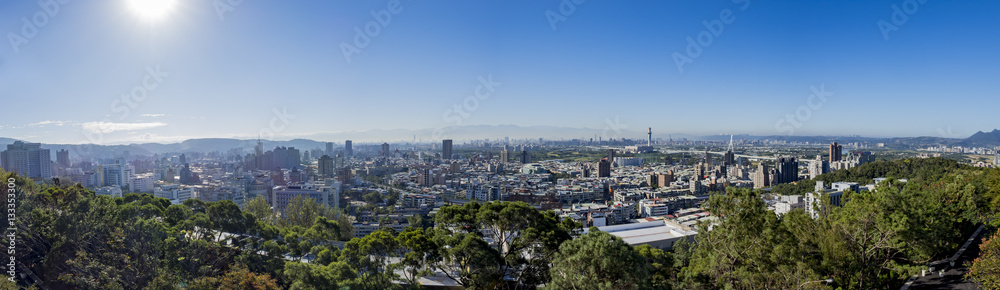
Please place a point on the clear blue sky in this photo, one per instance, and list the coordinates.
(935, 75)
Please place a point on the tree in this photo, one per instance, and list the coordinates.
(525, 238)
(870, 232)
(226, 216)
(309, 276)
(985, 269)
(176, 214)
(420, 221)
(417, 247)
(373, 198)
(236, 278)
(661, 266)
(476, 264)
(259, 207)
(598, 260)
(324, 231)
(370, 256)
(303, 211)
(748, 247)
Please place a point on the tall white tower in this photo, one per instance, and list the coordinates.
(649, 141)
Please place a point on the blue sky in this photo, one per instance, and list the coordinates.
(226, 76)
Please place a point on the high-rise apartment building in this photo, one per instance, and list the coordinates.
(729, 159)
(835, 152)
(788, 170)
(604, 168)
(504, 155)
(62, 157)
(446, 149)
(27, 159)
(326, 167)
(761, 178)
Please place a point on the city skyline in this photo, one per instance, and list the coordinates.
(281, 69)
(559, 144)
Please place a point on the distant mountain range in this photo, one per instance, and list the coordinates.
(479, 132)
(982, 139)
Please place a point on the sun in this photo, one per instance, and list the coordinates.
(152, 9)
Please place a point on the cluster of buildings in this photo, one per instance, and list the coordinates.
(962, 149)
(641, 201)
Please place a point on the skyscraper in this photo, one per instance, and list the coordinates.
(326, 168)
(504, 155)
(118, 173)
(446, 149)
(27, 159)
(788, 170)
(62, 157)
(729, 159)
(604, 168)
(761, 177)
(286, 157)
(818, 166)
(385, 150)
(329, 148)
(187, 177)
(349, 150)
(525, 157)
(835, 152)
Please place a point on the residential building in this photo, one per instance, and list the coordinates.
(27, 159)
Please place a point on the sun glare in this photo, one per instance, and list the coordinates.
(152, 9)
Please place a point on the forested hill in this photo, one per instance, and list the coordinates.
(983, 139)
(874, 241)
(916, 169)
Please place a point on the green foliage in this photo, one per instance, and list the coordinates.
(598, 260)
(259, 208)
(985, 269)
(370, 256)
(311, 276)
(749, 247)
(662, 272)
(302, 212)
(525, 241)
(874, 241)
